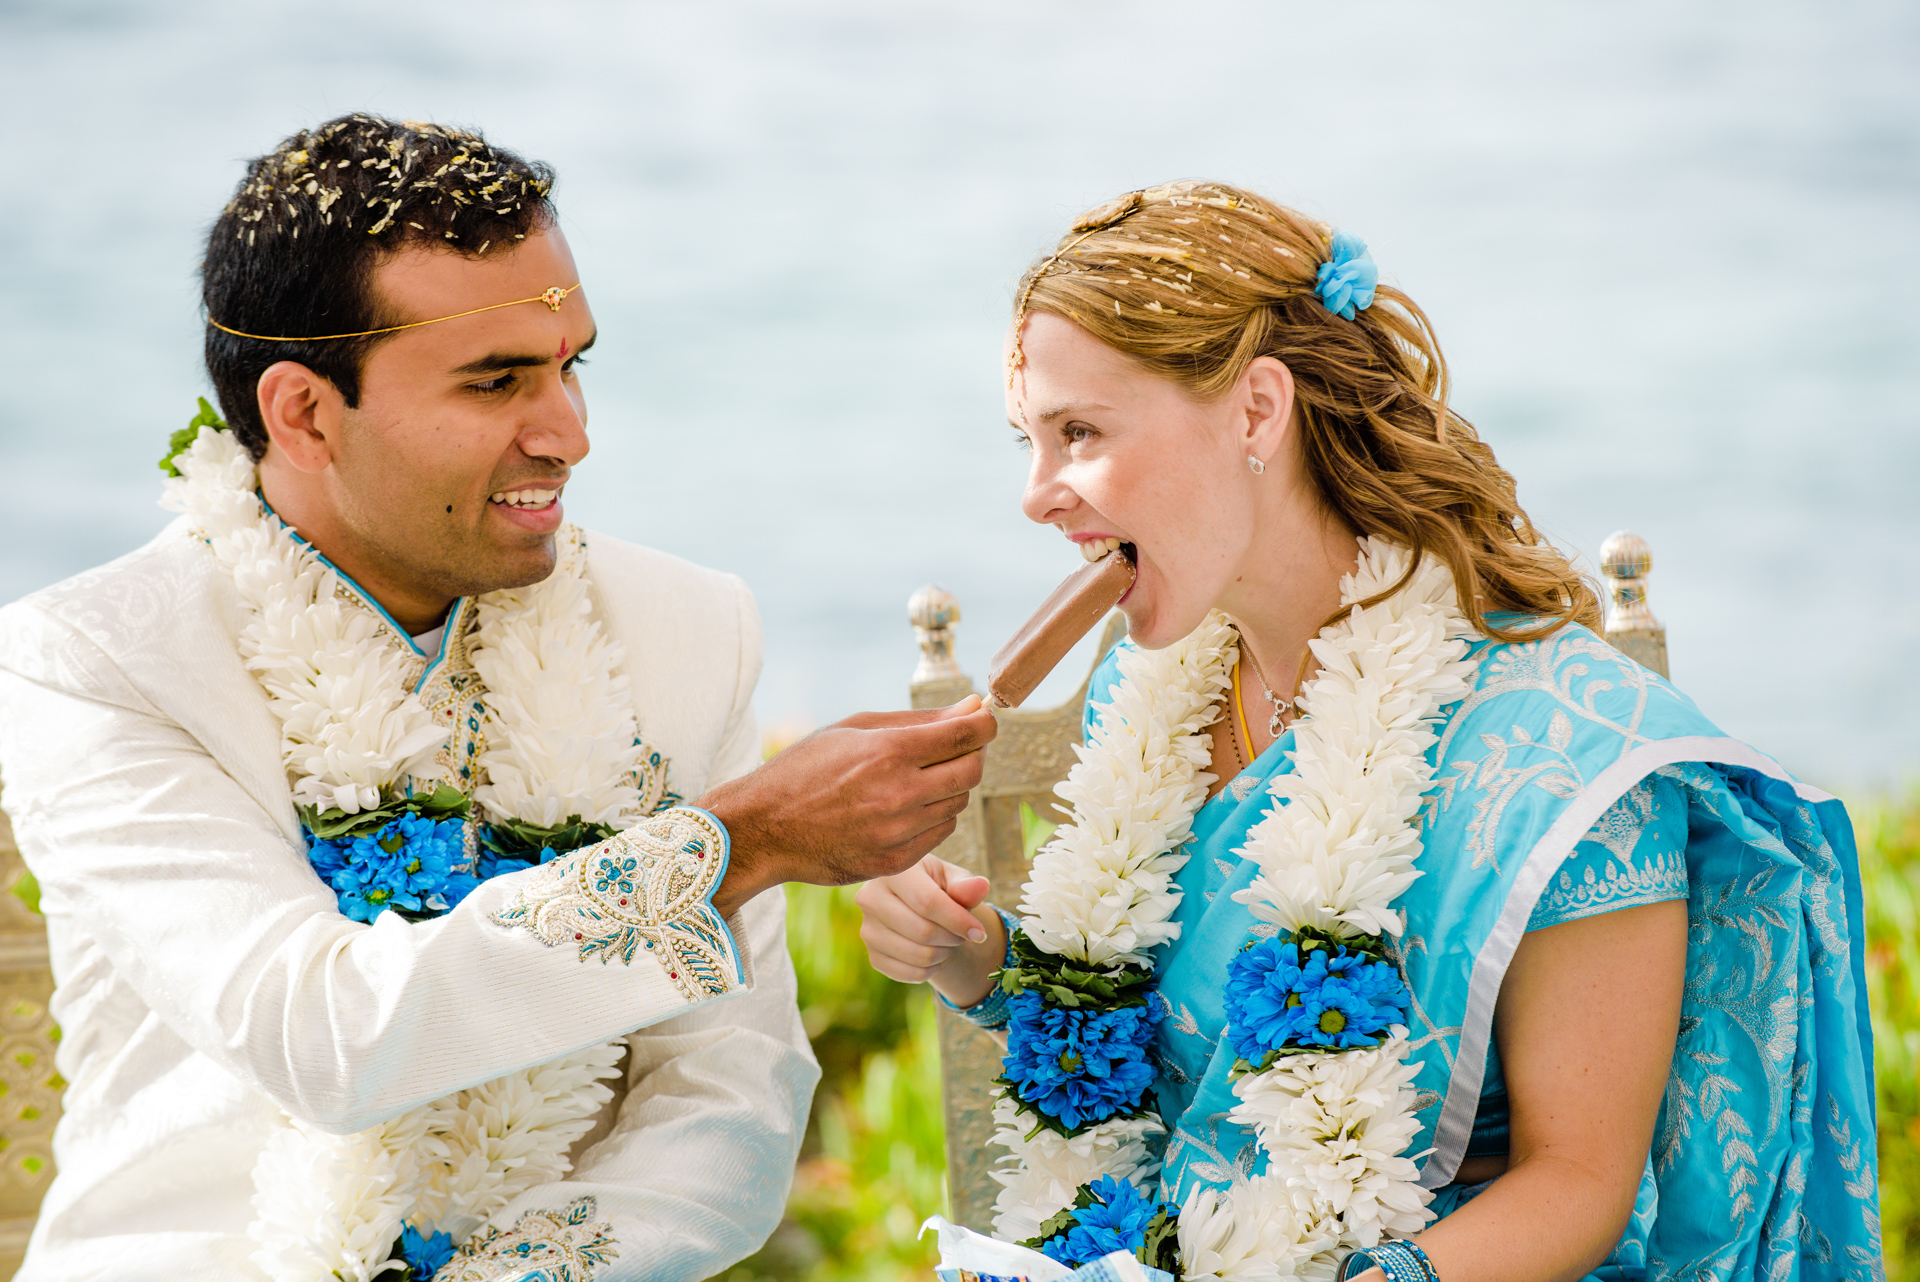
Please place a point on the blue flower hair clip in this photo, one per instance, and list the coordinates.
(1348, 276)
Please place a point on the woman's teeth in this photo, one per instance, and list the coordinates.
(1094, 549)
(524, 498)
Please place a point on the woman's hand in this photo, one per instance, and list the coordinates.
(930, 924)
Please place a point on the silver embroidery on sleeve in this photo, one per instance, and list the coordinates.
(559, 1246)
(645, 889)
(1620, 827)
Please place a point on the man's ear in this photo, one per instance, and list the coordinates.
(302, 413)
(1268, 392)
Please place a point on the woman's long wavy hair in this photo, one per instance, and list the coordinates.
(1196, 280)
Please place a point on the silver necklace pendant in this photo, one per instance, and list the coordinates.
(1274, 724)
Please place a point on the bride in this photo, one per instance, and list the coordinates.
(1401, 927)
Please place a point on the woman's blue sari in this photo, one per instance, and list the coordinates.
(1763, 1161)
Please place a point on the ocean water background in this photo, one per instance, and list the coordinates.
(1672, 252)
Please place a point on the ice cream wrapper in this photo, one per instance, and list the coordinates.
(966, 1256)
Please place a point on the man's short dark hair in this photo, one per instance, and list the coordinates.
(294, 252)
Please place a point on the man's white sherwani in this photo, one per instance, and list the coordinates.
(208, 986)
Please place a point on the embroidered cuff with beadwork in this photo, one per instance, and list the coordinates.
(567, 1245)
(990, 1011)
(648, 889)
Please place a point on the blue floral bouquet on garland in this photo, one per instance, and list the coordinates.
(423, 1254)
(1111, 1215)
(409, 856)
(1078, 1038)
(1079, 1052)
(1309, 992)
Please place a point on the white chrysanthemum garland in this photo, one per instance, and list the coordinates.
(336, 683)
(1101, 892)
(562, 747)
(1334, 1126)
(329, 1207)
(561, 740)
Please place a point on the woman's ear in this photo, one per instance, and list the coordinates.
(301, 412)
(1268, 396)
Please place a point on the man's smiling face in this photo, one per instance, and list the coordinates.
(445, 479)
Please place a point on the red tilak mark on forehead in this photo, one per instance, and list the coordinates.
(561, 355)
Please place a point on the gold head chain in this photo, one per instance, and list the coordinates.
(552, 297)
(1106, 216)
(1018, 356)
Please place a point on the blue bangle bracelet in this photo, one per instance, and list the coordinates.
(1400, 1261)
(989, 1012)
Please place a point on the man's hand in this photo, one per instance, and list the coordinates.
(863, 798)
(928, 925)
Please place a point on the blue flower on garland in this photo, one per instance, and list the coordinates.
(424, 1256)
(1261, 998)
(411, 863)
(1079, 1066)
(1117, 1220)
(1335, 998)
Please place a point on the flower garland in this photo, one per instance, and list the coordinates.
(349, 728)
(331, 1206)
(563, 766)
(563, 748)
(1315, 1013)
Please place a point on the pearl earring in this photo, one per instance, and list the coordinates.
(1255, 465)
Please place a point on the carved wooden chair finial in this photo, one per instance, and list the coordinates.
(933, 611)
(1625, 560)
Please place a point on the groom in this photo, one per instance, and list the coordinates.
(380, 927)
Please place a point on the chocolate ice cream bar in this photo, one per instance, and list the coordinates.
(1062, 619)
